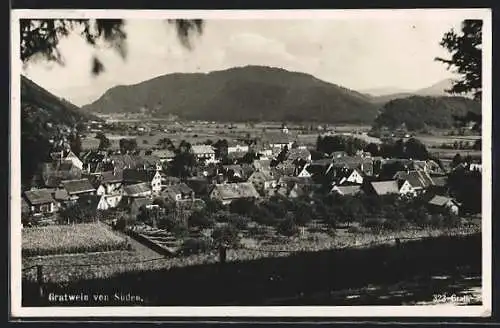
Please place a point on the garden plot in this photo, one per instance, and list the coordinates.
(64, 239)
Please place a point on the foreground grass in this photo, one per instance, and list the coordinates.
(64, 239)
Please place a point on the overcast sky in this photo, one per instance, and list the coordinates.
(357, 54)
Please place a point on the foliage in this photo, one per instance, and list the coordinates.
(466, 57)
(466, 187)
(288, 227)
(227, 234)
(196, 246)
(63, 239)
(201, 219)
(104, 142)
(75, 143)
(40, 38)
(76, 213)
(330, 144)
(127, 145)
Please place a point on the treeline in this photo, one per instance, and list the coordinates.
(418, 112)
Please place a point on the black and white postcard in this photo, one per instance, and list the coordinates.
(316, 163)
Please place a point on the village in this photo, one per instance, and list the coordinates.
(172, 199)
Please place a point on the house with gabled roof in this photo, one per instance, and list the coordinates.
(53, 173)
(262, 180)
(418, 179)
(178, 192)
(346, 190)
(142, 189)
(77, 188)
(67, 156)
(108, 183)
(228, 192)
(261, 164)
(349, 176)
(165, 155)
(152, 177)
(204, 153)
(40, 201)
(440, 203)
(387, 187)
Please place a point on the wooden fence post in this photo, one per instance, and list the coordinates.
(39, 279)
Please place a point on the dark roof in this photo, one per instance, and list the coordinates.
(180, 188)
(133, 161)
(38, 196)
(263, 175)
(111, 176)
(139, 202)
(440, 181)
(277, 138)
(91, 201)
(136, 188)
(138, 175)
(77, 186)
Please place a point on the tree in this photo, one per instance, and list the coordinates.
(127, 145)
(415, 149)
(166, 143)
(288, 227)
(201, 219)
(466, 52)
(227, 234)
(457, 159)
(75, 143)
(40, 38)
(104, 142)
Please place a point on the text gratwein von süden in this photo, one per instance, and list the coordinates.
(83, 297)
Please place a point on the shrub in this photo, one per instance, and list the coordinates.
(227, 234)
(196, 246)
(288, 227)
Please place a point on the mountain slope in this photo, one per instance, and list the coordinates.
(436, 90)
(39, 108)
(418, 112)
(240, 94)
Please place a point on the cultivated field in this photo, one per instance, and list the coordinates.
(65, 239)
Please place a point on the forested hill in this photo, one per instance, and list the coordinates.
(418, 112)
(42, 114)
(247, 93)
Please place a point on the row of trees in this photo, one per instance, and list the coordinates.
(330, 144)
(411, 148)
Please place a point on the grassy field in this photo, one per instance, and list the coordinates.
(64, 239)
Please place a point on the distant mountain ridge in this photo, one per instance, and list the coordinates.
(249, 93)
(384, 95)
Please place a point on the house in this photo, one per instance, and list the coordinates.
(387, 187)
(299, 154)
(151, 177)
(236, 147)
(279, 140)
(142, 189)
(262, 165)
(262, 180)
(229, 192)
(283, 169)
(40, 201)
(126, 161)
(419, 180)
(108, 183)
(77, 188)
(178, 192)
(287, 184)
(381, 188)
(302, 190)
(364, 164)
(233, 170)
(347, 190)
(441, 204)
(349, 176)
(100, 202)
(53, 173)
(164, 155)
(95, 162)
(167, 180)
(204, 153)
(67, 156)
(429, 166)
